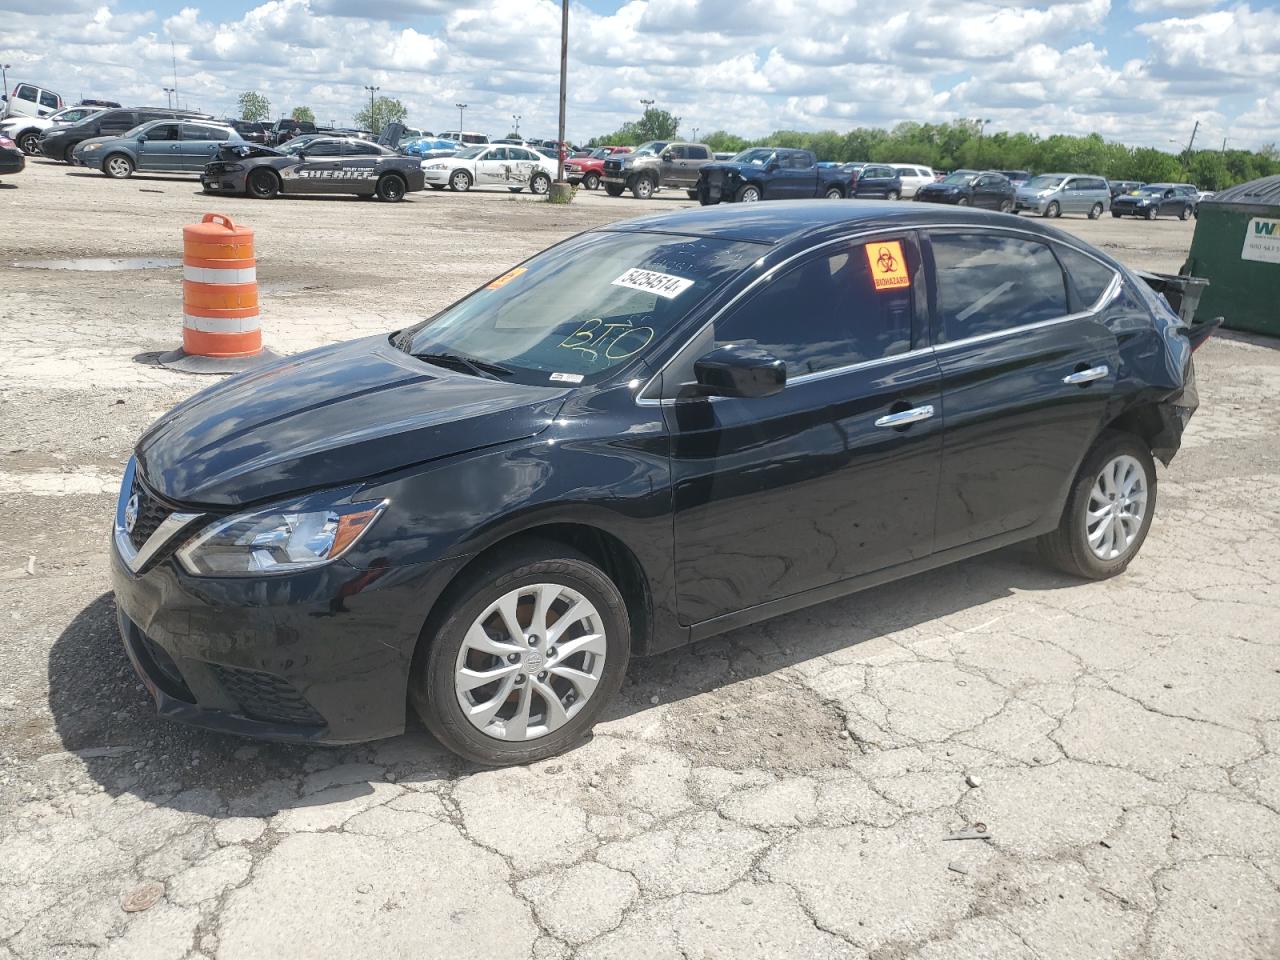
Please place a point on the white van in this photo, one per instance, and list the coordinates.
(913, 177)
(28, 100)
(465, 136)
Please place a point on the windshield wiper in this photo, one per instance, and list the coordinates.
(480, 368)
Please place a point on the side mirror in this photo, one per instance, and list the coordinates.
(142, 138)
(740, 371)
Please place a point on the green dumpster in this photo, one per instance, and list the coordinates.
(1237, 249)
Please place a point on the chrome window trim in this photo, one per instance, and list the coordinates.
(136, 559)
(1107, 296)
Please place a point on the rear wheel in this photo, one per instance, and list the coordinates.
(1108, 510)
(1053, 210)
(614, 189)
(539, 184)
(391, 188)
(591, 181)
(30, 141)
(644, 188)
(1185, 214)
(1095, 212)
(117, 166)
(460, 181)
(525, 659)
(893, 195)
(262, 184)
(749, 193)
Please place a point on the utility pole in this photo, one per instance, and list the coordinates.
(982, 126)
(564, 80)
(173, 53)
(4, 77)
(461, 107)
(373, 121)
(1191, 143)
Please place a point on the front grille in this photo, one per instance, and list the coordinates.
(613, 166)
(151, 513)
(155, 662)
(264, 696)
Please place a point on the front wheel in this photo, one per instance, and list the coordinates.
(1152, 213)
(525, 659)
(1185, 214)
(1108, 510)
(1006, 206)
(262, 184)
(391, 188)
(893, 195)
(30, 142)
(834, 193)
(539, 184)
(644, 188)
(1053, 210)
(460, 181)
(749, 194)
(591, 181)
(962, 202)
(1116, 214)
(117, 166)
(614, 189)
(1095, 212)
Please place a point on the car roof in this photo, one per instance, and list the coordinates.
(786, 220)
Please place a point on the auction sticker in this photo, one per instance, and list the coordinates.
(507, 277)
(663, 284)
(888, 265)
(566, 378)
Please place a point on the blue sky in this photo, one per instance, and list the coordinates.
(1140, 71)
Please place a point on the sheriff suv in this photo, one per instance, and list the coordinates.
(654, 165)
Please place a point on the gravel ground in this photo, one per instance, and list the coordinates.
(790, 791)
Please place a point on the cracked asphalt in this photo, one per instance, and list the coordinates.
(787, 790)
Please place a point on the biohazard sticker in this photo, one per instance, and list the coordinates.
(888, 265)
(663, 284)
(507, 277)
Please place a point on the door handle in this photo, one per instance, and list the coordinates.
(904, 418)
(1081, 377)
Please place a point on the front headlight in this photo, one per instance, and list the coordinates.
(435, 166)
(279, 539)
(92, 146)
(232, 167)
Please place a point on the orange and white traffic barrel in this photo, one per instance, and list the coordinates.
(221, 328)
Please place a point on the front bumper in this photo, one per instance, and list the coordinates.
(224, 182)
(320, 656)
(435, 176)
(1034, 204)
(933, 197)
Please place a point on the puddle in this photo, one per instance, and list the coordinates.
(101, 264)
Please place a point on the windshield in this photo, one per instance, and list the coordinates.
(1151, 191)
(650, 149)
(1043, 182)
(575, 312)
(134, 131)
(600, 153)
(757, 156)
(962, 177)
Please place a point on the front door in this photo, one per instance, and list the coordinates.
(793, 179)
(162, 150)
(318, 170)
(988, 191)
(833, 477)
(1025, 383)
(491, 167)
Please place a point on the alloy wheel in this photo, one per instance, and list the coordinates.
(119, 167)
(749, 195)
(460, 181)
(1117, 507)
(530, 662)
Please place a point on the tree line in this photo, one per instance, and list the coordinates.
(961, 145)
(383, 110)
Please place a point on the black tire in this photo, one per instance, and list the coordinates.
(749, 193)
(1006, 206)
(1067, 547)
(614, 189)
(392, 188)
(591, 181)
(460, 181)
(692, 194)
(68, 155)
(540, 184)
(29, 141)
(962, 202)
(431, 687)
(1095, 212)
(644, 187)
(1117, 214)
(262, 184)
(1152, 213)
(834, 193)
(1052, 211)
(1185, 214)
(436, 186)
(117, 166)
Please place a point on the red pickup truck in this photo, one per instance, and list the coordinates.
(589, 169)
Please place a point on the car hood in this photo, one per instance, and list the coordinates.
(728, 166)
(333, 416)
(941, 187)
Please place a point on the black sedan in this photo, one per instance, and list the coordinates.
(971, 188)
(649, 434)
(12, 159)
(1153, 200)
(324, 165)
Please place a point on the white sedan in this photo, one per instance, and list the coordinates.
(491, 165)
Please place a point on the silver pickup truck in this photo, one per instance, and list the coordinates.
(656, 164)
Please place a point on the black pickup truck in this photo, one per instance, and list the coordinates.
(770, 173)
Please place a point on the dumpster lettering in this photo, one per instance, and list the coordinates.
(1262, 241)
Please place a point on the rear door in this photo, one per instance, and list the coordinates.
(162, 150)
(49, 103)
(200, 144)
(360, 166)
(833, 477)
(1027, 372)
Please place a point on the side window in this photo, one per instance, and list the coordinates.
(497, 153)
(193, 131)
(1090, 277)
(48, 99)
(26, 91)
(163, 131)
(699, 153)
(987, 283)
(117, 121)
(323, 148)
(360, 148)
(845, 319)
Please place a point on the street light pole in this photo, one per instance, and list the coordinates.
(461, 107)
(168, 93)
(982, 126)
(372, 119)
(4, 78)
(516, 118)
(564, 80)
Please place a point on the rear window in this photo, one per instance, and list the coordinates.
(26, 92)
(48, 99)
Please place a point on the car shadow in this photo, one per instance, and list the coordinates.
(103, 716)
